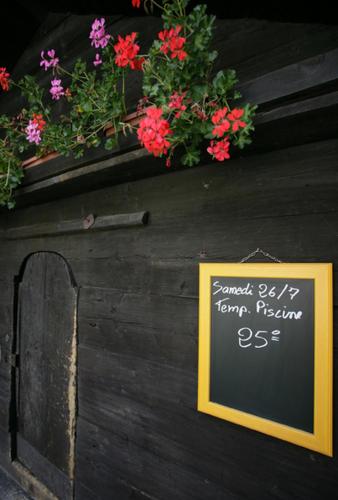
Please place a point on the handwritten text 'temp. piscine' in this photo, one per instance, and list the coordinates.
(262, 292)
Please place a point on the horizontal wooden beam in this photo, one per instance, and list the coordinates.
(297, 78)
(313, 104)
(89, 223)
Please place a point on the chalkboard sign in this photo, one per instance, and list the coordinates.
(265, 349)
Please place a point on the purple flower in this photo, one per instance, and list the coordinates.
(33, 133)
(53, 61)
(98, 34)
(56, 89)
(97, 61)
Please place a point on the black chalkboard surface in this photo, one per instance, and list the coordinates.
(262, 347)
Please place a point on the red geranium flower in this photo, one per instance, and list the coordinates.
(235, 116)
(4, 82)
(153, 130)
(220, 149)
(222, 123)
(38, 119)
(173, 43)
(126, 52)
(218, 116)
(136, 3)
(137, 63)
(176, 102)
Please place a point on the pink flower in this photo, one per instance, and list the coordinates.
(176, 102)
(97, 61)
(33, 132)
(56, 89)
(98, 34)
(53, 61)
(220, 149)
(153, 130)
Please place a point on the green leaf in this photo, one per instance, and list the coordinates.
(110, 143)
(224, 81)
(191, 158)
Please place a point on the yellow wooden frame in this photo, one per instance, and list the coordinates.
(321, 439)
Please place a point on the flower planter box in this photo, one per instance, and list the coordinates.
(132, 119)
(36, 160)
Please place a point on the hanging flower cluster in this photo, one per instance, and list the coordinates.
(219, 149)
(177, 80)
(224, 121)
(153, 132)
(186, 106)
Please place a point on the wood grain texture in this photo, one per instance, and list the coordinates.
(89, 223)
(138, 430)
(139, 435)
(47, 311)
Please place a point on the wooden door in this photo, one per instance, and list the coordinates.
(46, 392)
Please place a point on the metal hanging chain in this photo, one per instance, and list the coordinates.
(259, 250)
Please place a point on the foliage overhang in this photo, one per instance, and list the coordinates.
(183, 102)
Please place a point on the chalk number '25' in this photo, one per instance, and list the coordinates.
(245, 336)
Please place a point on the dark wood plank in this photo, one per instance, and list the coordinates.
(168, 480)
(295, 78)
(46, 398)
(139, 457)
(308, 105)
(4, 447)
(52, 477)
(140, 325)
(134, 400)
(92, 175)
(5, 395)
(90, 223)
(282, 173)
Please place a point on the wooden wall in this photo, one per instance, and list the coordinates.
(138, 432)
